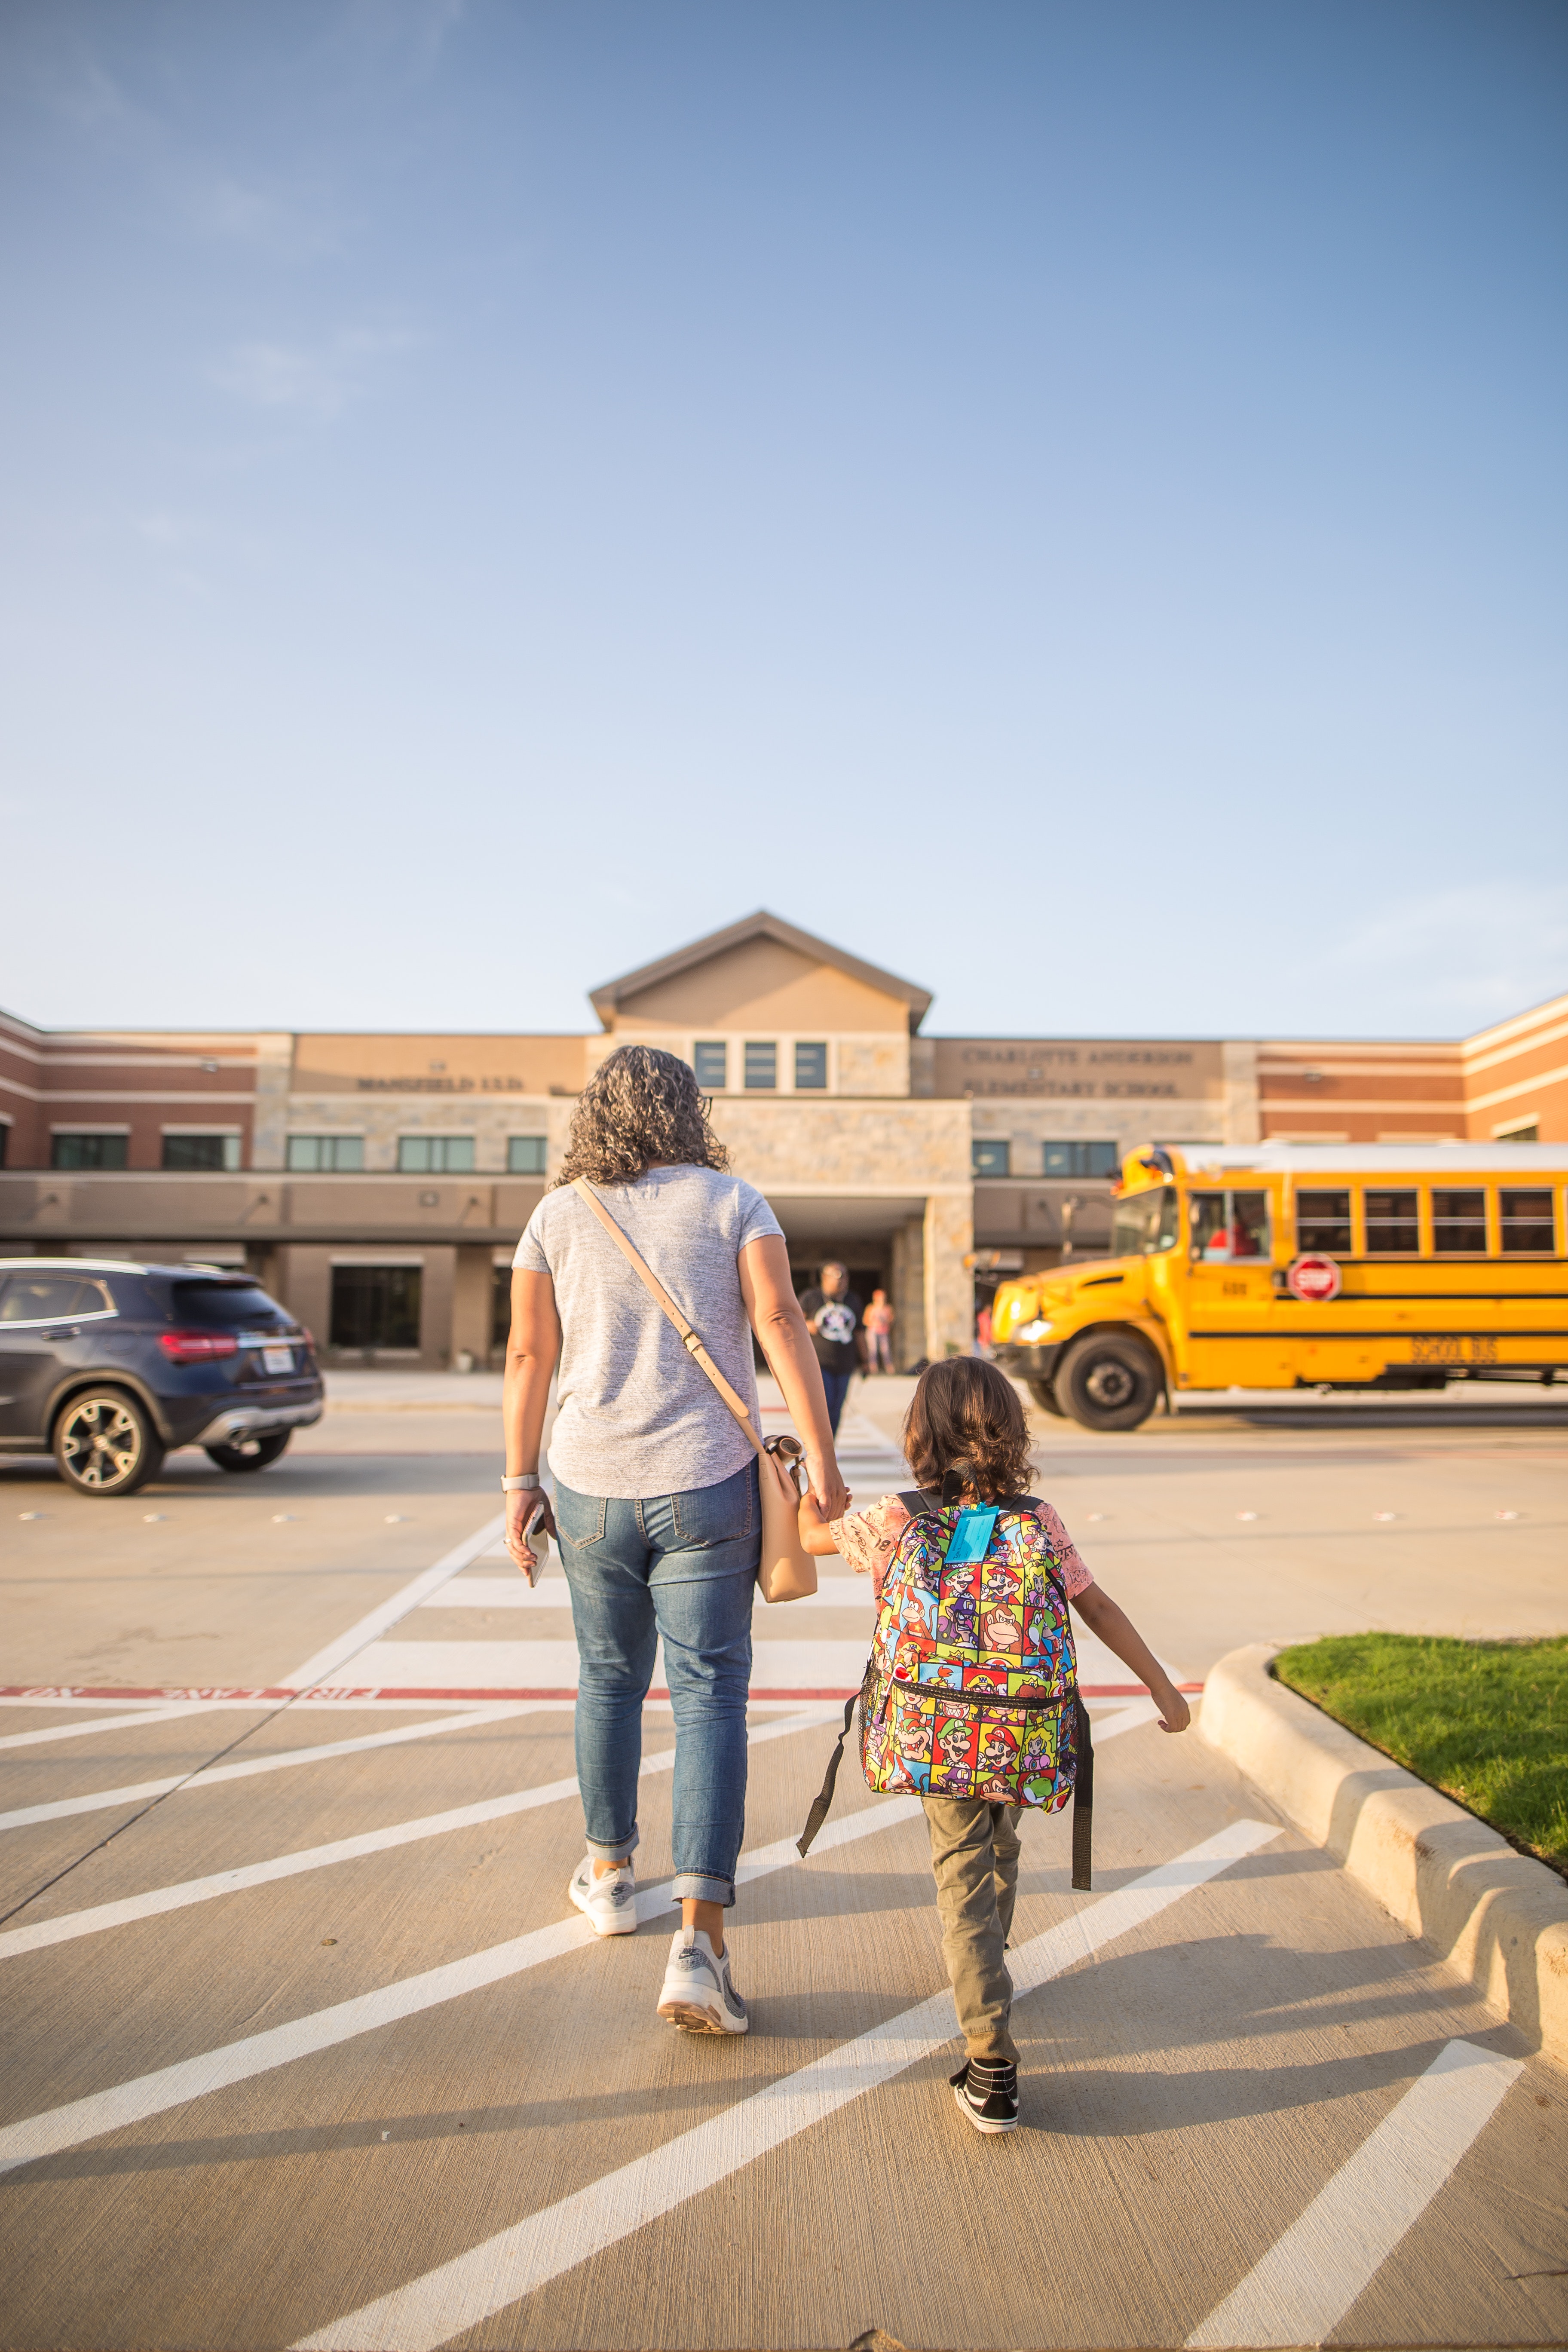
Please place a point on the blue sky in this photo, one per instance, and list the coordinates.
(1067, 501)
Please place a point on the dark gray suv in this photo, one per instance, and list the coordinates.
(108, 1365)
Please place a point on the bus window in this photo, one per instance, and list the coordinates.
(1459, 1223)
(1527, 1221)
(1392, 1226)
(1323, 1221)
(1145, 1223)
(1228, 1226)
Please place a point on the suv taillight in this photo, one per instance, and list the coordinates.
(197, 1347)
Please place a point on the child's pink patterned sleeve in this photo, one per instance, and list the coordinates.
(868, 1539)
(1076, 1577)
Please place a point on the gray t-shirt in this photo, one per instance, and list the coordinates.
(635, 1416)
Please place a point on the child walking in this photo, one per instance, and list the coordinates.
(968, 1699)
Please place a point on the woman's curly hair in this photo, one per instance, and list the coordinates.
(965, 1416)
(641, 1108)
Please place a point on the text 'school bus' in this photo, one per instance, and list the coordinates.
(1289, 1265)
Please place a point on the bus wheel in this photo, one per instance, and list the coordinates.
(1044, 1396)
(1107, 1381)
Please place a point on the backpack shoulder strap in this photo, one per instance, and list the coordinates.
(918, 1503)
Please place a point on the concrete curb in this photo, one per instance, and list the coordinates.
(1496, 1917)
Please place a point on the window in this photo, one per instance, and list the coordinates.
(208, 1151)
(434, 1155)
(992, 1158)
(1145, 1223)
(1323, 1221)
(1459, 1223)
(810, 1066)
(1228, 1227)
(375, 1305)
(4, 1139)
(50, 1298)
(762, 1066)
(1080, 1160)
(322, 1155)
(1527, 1221)
(88, 1150)
(238, 1304)
(1529, 1132)
(525, 1155)
(1392, 1225)
(710, 1059)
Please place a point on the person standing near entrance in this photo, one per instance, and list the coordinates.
(878, 1325)
(657, 1510)
(832, 1313)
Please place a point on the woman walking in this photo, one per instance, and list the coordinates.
(658, 1508)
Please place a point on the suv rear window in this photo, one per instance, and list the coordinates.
(228, 1306)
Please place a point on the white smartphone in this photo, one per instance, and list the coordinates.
(538, 1542)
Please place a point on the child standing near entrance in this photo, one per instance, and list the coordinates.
(877, 1322)
(991, 1627)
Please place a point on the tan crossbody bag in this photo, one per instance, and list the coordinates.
(787, 1571)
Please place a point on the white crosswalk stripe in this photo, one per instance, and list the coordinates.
(462, 2293)
(323, 2029)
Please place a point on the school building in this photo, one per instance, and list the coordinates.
(377, 1184)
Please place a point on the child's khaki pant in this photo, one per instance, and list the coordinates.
(975, 1857)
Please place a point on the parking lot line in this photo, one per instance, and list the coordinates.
(259, 2054)
(40, 1934)
(337, 1653)
(94, 1801)
(1309, 2279)
(463, 2293)
(107, 1723)
(99, 1917)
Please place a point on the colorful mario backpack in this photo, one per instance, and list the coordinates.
(971, 1689)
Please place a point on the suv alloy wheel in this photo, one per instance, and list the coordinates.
(105, 1445)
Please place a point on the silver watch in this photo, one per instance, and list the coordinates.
(524, 1478)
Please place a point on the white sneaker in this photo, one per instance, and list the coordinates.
(698, 1995)
(610, 1902)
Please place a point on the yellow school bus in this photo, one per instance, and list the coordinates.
(1285, 1265)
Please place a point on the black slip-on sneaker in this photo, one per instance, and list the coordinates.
(987, 2094)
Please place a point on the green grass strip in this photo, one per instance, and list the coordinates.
(1487, 1722)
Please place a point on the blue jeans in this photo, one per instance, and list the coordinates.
(835, 1386)
(682, 1566)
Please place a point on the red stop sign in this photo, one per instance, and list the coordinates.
(1315, 1278)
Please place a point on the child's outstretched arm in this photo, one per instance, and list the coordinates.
(816, 1534)
(1121, 1637)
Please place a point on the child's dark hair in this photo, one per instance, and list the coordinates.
(965, 1415)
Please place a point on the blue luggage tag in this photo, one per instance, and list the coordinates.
(971, 1539)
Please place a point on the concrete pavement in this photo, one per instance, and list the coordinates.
(314, 2049)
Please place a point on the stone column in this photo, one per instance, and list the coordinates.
(471, 1304)
(269, 1121)
(1243, 1119)
(435, 1336)
(303, 1278)
(908, 1279)
(949, 1238)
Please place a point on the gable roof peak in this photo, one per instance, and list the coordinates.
(762, 925)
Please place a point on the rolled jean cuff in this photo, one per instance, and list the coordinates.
(697, 1887)
(614, 1853)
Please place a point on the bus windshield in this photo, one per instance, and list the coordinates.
(1145, 1223)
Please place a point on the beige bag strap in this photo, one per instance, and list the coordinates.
(688, 1337)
